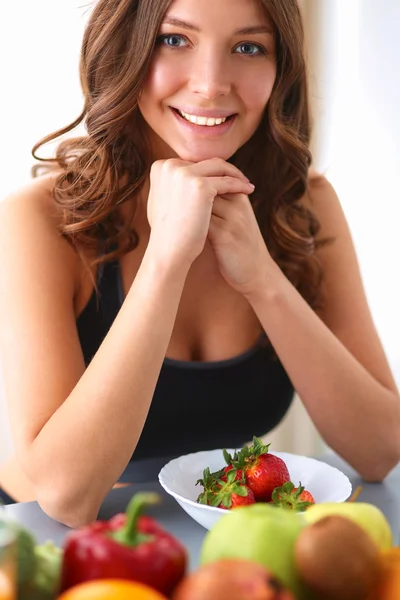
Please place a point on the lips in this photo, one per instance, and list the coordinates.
(205, 130)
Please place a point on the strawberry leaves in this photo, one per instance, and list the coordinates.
(253, 474)
(223, 494)
(248, 454)
(287, 496)
(228, 458)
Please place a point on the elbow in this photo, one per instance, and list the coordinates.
(380, 466)
(72, 510)
(64, 504)
(73, 502)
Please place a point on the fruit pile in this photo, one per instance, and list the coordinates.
(252, 475)
(333, 551)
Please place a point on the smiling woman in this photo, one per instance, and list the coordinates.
(187, 269)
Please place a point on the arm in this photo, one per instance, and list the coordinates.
(75, 430)
(335, 359)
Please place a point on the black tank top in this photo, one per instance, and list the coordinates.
(196, 405)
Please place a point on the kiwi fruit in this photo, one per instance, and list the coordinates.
(337, 559)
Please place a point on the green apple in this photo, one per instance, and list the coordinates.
(261, 533)
(368, 516)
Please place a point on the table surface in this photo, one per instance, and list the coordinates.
(172, 517)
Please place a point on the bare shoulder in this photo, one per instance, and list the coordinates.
(30, 213)
(34, 197)
(321, 198)
(30, 236)
(338, 254)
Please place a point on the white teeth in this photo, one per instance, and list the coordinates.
(208, 122)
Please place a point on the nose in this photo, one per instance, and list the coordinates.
(210, 77)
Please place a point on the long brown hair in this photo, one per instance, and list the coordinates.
(105, 168)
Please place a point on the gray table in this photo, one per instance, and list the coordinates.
(385, 495)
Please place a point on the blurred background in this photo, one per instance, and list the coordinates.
(353, 48)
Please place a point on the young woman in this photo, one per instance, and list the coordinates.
(181, 269)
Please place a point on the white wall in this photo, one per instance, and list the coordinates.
(366, 154)
(39, 55)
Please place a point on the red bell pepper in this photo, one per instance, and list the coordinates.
(128, 546)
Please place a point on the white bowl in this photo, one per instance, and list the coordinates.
(178, 477)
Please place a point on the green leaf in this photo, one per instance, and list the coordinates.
(288, 487)
(226, 500)
(227, 457)
(217, 474)
(215, 500)
(202, 498)
(231, 476)
(241, 490)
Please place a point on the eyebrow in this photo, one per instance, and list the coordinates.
(242, 31)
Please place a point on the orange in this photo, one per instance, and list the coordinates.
(111, 589)
(7, 588)
(389, 584)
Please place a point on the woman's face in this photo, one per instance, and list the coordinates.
(211, 76)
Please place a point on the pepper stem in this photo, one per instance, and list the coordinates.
(128, 534)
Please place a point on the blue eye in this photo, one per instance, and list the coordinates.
(172, 40)
(248, 49)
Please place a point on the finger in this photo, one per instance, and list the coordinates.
(216, 167)
(230, 185)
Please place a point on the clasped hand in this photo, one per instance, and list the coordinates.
(191, 202)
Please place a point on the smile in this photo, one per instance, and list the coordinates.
(205, 126)
(203, 121)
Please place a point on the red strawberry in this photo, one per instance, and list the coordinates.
(237, 496)
(305, 496)
(293, 498)
(227, 494)
(263, 471)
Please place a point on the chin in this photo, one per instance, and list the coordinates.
(197, 156)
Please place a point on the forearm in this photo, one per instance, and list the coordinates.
(86, 444)
(351, 409)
